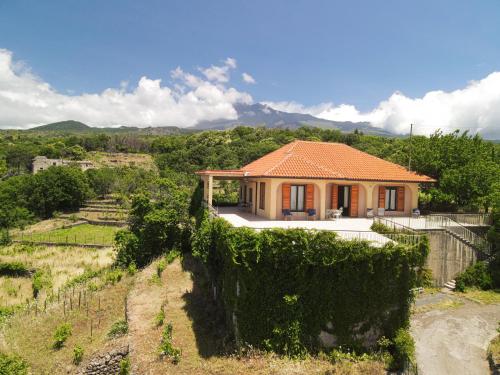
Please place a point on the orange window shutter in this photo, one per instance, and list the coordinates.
(309, 196)
(286, 196)
(354, 201)
(381, 197)
(401, 198)
(335, 197)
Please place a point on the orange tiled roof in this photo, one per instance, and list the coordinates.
(304, 159)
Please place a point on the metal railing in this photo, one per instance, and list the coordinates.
(467, 219)
(395, 226)
(370, 236)
(438, 222)
(212, 211)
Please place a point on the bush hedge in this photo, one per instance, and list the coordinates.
(283, 287)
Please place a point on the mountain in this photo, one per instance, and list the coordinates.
(262, 115)
(248, 115)
(63, 126)
(72, 126)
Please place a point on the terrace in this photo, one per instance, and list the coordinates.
(347, 228)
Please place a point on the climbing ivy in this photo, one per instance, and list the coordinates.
(284, 286)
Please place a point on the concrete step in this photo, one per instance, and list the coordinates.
(450, 285)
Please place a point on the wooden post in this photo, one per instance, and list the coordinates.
(64, 307)
(79, 298)
(126, 318)
(90, 329)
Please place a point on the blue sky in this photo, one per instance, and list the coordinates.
(309, 52)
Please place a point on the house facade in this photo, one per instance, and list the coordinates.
(305, 179)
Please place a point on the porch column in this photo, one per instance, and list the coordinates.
(210, 184)
(205, 188)
(322, 200)
(369, 197)
(273, 196)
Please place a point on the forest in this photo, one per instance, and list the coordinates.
(466, 167)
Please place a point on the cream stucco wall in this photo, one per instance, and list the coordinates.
(367, 198)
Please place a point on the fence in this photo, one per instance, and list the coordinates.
(64, 239)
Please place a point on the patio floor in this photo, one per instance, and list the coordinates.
(347, 228)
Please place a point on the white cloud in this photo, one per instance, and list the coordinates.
(26, 100)
(220, 73)
(475, 108)
(247, 78)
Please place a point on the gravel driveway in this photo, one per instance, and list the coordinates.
(454, 340)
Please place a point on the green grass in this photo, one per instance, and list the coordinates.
(80, 234)
(482, 296)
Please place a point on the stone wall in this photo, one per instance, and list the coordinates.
(105, 364)
(448, 256)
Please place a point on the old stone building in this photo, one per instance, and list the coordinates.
(41, 163)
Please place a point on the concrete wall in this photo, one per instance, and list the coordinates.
(448, 256)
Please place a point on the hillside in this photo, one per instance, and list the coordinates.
(69, 125)
(253, 115)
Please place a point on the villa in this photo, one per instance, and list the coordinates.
(313, 180)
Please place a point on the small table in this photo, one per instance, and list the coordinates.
(332, 214)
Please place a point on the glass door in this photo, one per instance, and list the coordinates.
(344, 199)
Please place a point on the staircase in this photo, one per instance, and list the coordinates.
(450, 285)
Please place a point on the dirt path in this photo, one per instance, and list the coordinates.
(144, 302)
(454, 340)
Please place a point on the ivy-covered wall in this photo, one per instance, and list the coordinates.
(285, 287)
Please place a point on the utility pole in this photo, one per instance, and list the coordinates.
(409, 160)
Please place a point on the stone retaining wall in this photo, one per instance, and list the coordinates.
(105, 364)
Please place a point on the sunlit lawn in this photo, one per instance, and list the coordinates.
(80, 234)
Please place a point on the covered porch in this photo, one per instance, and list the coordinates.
(299, 199)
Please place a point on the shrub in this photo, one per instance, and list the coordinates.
(171, 256)
(166, 348)
(4, 237)
(124, 367)
(41, 280)
(113, 276)
(424, 278)
(118, 329)
(160, 267)
(14, 269)
(77, 355)
(160, 318)
(403, 349)
(12, 365)
(62, 333)
(132, 269)
(478, 275)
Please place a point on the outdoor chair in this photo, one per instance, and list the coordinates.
(287, 214)
(311, 213)
(381, 212)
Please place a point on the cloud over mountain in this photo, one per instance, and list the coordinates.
(476, 108)
(27, 100)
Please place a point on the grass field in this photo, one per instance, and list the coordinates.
(80, 234)
(59, 264)
(31, 337)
